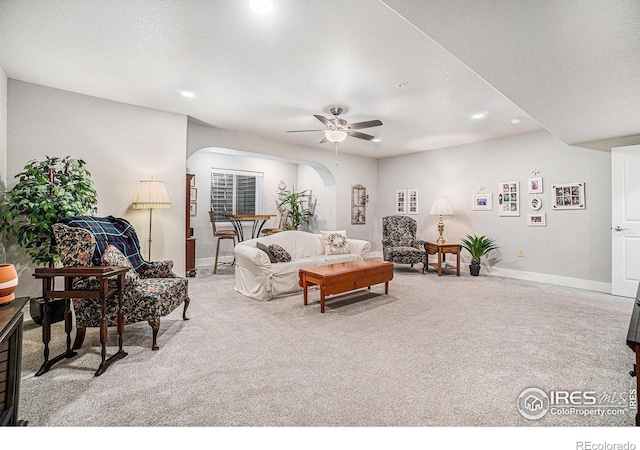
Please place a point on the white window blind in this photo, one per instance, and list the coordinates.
(235, 192)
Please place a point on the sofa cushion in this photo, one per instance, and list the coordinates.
(265, 249)
(335, 242)
(279, 253)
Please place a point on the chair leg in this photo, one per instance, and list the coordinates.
(215, 267)
(184, 312)
(155, 326)
(80, 334)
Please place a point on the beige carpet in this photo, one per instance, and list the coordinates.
(436, 351)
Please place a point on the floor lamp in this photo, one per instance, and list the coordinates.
(151, 194)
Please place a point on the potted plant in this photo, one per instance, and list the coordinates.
(477, 246)
(46, 191)
(299, 205)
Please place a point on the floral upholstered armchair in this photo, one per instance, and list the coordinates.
(151, 290)
(399, 242)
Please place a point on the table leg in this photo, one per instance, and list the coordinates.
(104, 325)
(256, 229)
(237, 225)
(439, 263)
(304, 286)
(458, 262)
(386, 287)
(47, 286)
(103, 320)
(322, 298)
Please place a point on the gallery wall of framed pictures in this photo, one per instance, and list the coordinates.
(563, 196)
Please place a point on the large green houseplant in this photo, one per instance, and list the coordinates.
(46, 191)
(477, 246)
(299, 205)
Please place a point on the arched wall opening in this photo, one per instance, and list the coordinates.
(276, 170)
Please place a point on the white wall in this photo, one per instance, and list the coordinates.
(200, 164)
(121, 145)
(574, 246)
(351, 170)
(3, 130)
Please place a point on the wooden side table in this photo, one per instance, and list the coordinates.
(102, 274)
(442, 249)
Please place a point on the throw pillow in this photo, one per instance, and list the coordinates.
(279, 253)
(114, 257)
(335, 242)
(265, 249)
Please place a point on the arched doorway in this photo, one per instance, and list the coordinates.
(274, 172)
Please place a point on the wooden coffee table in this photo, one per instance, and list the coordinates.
(346, 276)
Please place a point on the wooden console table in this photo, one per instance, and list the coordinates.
(442, 249)
(347, 276)
(102, 274)
(11, 318)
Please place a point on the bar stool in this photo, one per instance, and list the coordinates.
(224, 234)
(281, 227)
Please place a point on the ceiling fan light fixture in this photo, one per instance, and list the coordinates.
(335, 136)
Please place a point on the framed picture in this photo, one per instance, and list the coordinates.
(412, 194)
(193, 209)
(537, 220)
(535, 203)
(535, 185)
(509, 198)
(401, 202)
(482, 202)
(568, 196)
(193, 194)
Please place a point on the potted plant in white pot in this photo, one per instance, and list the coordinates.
(46, 191)
(477, 246)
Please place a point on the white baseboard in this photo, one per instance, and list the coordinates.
(598, 286)
(209, 262)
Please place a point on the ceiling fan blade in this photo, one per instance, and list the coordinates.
(301, 131)
(367, 124)
(324, 139)
(357, 134)
(325, 121)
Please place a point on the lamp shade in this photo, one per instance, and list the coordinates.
(335, 135)
(151, 194)
(441, 207)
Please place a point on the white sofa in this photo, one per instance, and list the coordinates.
(257, 277)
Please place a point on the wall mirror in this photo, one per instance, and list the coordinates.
(359, 199)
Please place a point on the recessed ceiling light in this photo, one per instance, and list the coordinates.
(479, 116)
(516, 120)
(376, 140)
(187, 94)
(261, 6)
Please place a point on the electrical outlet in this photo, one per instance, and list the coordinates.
(520, 252)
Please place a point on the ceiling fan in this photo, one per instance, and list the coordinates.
(338, 129)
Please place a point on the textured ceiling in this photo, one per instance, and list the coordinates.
(571, 67)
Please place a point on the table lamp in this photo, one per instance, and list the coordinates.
(441, 207)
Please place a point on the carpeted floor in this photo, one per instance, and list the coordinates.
(437, 351)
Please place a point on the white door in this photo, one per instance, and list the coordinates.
(625, 220)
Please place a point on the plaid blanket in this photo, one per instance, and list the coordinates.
(111, 231)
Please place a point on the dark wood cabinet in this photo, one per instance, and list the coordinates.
(190, 248)
(11, 318)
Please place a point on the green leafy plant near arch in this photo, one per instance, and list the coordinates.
(46, 191)
(299, 205)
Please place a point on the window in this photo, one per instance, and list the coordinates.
(235, 192)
